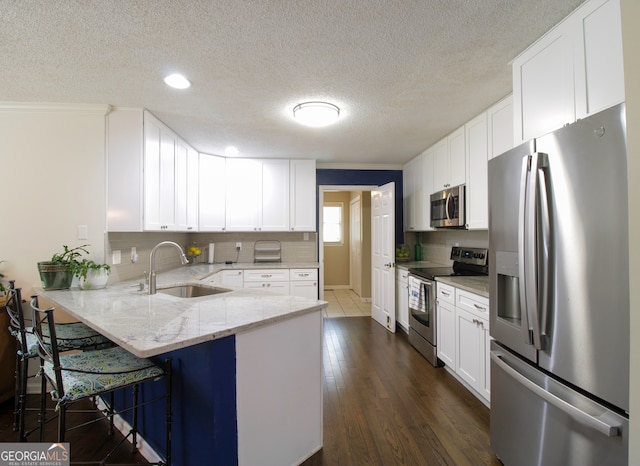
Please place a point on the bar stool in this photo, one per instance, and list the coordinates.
(71, 336)
(75, 376)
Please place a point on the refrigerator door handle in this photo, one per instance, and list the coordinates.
(522, 240)
(577, 414)
(544, 228)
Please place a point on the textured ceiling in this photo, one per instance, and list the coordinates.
(405, 73)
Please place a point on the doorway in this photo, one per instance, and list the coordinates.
(346, 261)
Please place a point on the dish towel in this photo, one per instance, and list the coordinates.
(417, 297)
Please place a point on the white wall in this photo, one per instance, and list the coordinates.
(52, 168)
(631, 39)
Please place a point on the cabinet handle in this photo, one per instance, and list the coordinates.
(266, 275)
(480, 308)
(445, 293)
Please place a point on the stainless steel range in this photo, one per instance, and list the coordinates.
(422, 296)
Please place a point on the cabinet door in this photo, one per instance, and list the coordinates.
(599, 64)
(233, 278)
(274, 199)
(415, 194)
(440, 165)
(543, 85)
(244, 189)
(500, 127)
(402, 298)
(302, 189)
(159, 175)
(477, 195)
(193, 181)
(211, 193)
(446, 333)
(457, 157)
(304, 288)
(181, 183)
(470, 348)
(485, 386)
(427, 188)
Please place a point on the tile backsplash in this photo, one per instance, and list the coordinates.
(295, 249)
(436, 245)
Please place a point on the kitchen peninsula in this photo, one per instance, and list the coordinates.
(247, 365)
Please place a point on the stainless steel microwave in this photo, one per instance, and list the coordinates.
(447, 208)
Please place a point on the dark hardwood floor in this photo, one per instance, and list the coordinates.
(384, 404)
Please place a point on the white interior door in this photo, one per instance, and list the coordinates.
(383, 308)
(355, 246)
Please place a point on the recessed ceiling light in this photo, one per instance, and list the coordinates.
(231, 151)
(316, 113)
(177, 81)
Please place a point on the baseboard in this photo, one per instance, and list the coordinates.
(336, 287)
(123, 427)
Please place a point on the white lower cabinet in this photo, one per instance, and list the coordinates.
(303, 283)
(274, 280)
(294, 282)
(230, 278)
(463, 339)
(402, 298)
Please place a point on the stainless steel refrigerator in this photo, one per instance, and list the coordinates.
(559, 297)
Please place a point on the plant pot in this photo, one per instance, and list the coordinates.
(55, 276)
(96, 279)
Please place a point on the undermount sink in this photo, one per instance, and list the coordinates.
(192, 291)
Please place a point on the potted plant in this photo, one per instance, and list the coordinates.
(58, 273)
(91, 276)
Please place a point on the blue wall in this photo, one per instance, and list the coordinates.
(334, 177)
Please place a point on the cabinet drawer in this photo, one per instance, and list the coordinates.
(473, 303)
(261, 275)
(445, 293)
(303, 274)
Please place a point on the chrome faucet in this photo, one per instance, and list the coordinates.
(152, 263)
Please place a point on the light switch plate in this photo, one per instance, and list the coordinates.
(116, 257)
(83, 232)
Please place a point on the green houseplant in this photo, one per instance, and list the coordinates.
(58, 273)
(91, 276)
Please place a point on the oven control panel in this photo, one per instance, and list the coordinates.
(475, 256)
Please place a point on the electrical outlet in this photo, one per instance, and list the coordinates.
(238, 246)
(116, 257)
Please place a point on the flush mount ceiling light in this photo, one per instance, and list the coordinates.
(177, 81)
(231, 151)
(316, 113)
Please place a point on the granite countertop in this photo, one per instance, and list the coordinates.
(149, 325)
(414, 264)
(475, 284)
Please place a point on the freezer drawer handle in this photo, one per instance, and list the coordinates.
(577, 414)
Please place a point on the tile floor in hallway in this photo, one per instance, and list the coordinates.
(345, 303)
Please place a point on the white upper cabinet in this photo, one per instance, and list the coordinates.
(186, 183)
(500, 127)
(599, 64)
(212, 193)
(417, 179)
(449, 161)
(274, 198)
(477, 200)
(158, 182)
(244, 187)
(150, 175)
(124, 169)
(302, 190)
(160, 146)
(574, 70)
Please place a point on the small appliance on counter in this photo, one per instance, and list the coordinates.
(422, 296)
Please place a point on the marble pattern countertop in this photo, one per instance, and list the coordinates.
(477, 285)
(149, 325)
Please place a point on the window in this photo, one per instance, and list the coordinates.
(332, 221)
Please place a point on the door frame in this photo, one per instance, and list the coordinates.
(321, 190)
